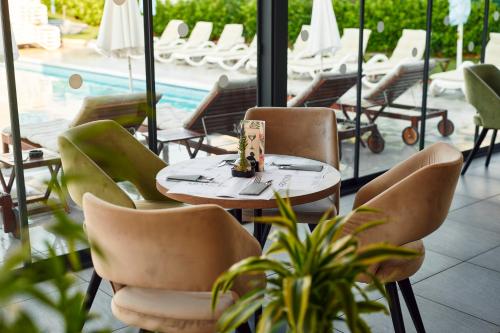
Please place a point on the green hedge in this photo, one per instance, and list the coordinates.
(396, 15)
(88, 11)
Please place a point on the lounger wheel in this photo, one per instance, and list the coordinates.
(410, 135)
(376, 143)
(446, 127)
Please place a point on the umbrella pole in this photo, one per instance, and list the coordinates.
(460, 43)
(130, 79)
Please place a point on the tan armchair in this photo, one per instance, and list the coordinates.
(163, 268)
(304, 132)
(414, 196)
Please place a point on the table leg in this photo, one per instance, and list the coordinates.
(260, 230)
(54, 183)
(238, 214)
(193, 153)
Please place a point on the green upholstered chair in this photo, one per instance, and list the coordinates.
(96, 156)
(482, 89)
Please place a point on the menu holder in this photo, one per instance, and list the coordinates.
(255, 134)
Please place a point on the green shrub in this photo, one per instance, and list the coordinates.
(396, 14)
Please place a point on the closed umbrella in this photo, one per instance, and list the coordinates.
(121, 33)
(459, 13)
(325, 36)
(14, 46)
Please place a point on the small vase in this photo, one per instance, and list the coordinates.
(243, 174)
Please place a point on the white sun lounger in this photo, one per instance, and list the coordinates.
(198, 38)
(348, 55)
(231, 35)
(29, 19)
(170, 36)
(410, 48)
(298, 51)
(235, 58)
(454, 79)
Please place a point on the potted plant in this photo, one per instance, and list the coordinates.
(243, 167)
(311, 289)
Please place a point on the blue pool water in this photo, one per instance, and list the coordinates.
(98, 84)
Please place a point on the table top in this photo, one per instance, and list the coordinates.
(300, 186)
(49, 157)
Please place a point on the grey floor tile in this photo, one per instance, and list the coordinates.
(467, 288)
(490, 259)
(49, 321)
(105, 286)
(478, 187)
(491, 172)
(460, 240)
(460, 200)
(346, 202)
(436, 317)
(434, 263)
(484, 214)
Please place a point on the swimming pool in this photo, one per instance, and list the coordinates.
(49, 83)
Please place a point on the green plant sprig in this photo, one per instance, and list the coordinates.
(313, 288)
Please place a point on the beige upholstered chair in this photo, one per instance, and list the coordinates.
(163, 268)
(303, 132)
(414, 196)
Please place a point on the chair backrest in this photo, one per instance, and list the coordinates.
(350, 43)
(396, 82)
(129, 110)
(231, 35)
(303, 132)
(96, 155)
(482, 90)
(492, 55)
(182, 249)
(324, 90)
(410, 40)
(224, 107)
(171, 32)
(300, 46)
(200, 34)
(414, 196)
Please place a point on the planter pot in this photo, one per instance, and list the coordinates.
(243, 174)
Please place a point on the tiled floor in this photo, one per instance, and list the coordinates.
(457, 289)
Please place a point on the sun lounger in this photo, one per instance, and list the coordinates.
(170, 35)
(380, 101)
(347, 55)
(29, 21)
(298, 51)
(410, 47)
(198, 38)
(217, 117)
(129, 110)
(235, 58)
(455, 79)
(231, 35)
(324, 91)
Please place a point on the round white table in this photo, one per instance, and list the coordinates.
(222, 189)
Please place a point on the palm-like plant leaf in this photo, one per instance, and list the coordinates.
(308, 291)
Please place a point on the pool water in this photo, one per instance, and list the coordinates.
(46, 88)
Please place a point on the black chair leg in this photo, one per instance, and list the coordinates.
(474, 150)
(95, 282)
(476, 133)
(244, 328)
(411, 304)
(395, 307)
(491, 148)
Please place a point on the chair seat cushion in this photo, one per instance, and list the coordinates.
(169, 311)
(309, 213)
(149, 204)
(400, 269)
